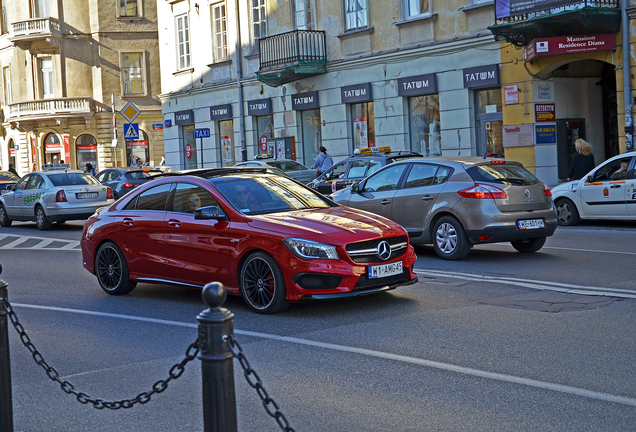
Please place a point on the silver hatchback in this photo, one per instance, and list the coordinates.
(455, 203)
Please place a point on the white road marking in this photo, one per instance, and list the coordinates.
(601, 396)
(508, 246)
(41, 245)
(15, 243)
(534, 284)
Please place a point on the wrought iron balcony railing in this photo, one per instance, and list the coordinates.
(292, 48)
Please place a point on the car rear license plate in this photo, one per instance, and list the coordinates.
(385, 270)
(531, 224)
(83, 195)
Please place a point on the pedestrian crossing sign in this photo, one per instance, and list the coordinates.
(131, 131)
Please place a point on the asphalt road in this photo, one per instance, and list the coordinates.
(466, 349)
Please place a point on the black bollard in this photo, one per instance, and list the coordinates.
(217, 368)
(6, 404)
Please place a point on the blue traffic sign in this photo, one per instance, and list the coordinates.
(202, 133)
(131, 131)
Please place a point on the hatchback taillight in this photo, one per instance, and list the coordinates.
(480, 191)
(60, 196)
(131, 185)
(109, 194)
(546, 191)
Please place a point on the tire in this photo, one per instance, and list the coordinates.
(528, 246)
(41, 220)
(262, 284)
(5, 220)
(112, 271)
(449, 239)
(567, 214)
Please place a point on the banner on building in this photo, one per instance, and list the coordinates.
(506, 8)
(569, 45)
(517, 136)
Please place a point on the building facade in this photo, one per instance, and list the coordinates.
(286, 77)
(66, 67)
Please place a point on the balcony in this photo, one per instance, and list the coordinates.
(24, 115)
(45, 32)
(291, 56)
(539, 20)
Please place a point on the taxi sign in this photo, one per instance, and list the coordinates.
(130, 112)
(383, 149)
(52, 167)
(264, 156)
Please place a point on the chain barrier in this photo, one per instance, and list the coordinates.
(175, 371)
(255, 382)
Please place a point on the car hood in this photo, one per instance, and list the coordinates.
(343, 223)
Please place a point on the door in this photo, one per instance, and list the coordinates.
(376, 195)
(568, 131)
(14, 201)
(33, 192)
(490, 135)
(606, 194)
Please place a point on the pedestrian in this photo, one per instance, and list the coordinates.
(12, 170)
(323, 161)
(163, 160)
(88, 169)
(139, 164)
(582, 161)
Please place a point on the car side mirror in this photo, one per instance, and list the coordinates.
(9, 187)
(590, 179)
(355, 187)
(210, 212)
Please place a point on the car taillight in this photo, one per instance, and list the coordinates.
(480, 191)
(546, 191)
(131, 185)
(60, 196)
(498, 162)
(109, 194)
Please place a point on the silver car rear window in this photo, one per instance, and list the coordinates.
(71, 179)
(509, 174)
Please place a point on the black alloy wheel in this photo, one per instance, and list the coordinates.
(41, 220)
(567, 214)
(112, 271)
(5, 220)
(262, 284)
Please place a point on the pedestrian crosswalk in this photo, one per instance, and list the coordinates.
(16, 242)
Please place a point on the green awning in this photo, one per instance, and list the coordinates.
(587, 20)
(293, 72)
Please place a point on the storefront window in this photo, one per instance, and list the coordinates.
(138, 149)
(489, 122)
(363, 125)
(12, 152)
(52, 150)
(188, 146)
(310, 124)
(488, 101)
(264, 126)
(86, 147)
(225, 131)
(425, 125)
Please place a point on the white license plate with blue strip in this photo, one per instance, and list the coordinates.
(385, 270)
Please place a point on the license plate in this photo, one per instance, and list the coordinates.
(384, 270)
(530, 224)
(83, 195)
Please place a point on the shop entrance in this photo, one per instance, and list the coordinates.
(568, 131)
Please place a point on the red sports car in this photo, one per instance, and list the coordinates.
(265, 237)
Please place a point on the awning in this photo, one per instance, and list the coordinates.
(291, 73)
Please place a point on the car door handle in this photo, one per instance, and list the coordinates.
(174, 223)
(427, 197)
(615, 186)
(128, 222)
(385, 202)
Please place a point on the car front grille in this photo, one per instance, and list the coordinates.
(367, 251)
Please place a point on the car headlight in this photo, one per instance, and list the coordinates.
(309, 249)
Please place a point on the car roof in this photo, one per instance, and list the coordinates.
(220, 172)
(463, 160)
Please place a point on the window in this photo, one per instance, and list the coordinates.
(189, 197)
(188, 146)
(264, 126)
(414, 8)
(183, 42)
(128, 8)
(226, 137)
(363, 125)
(42, 9)
(384, 180)
(45, 65)
(425, 125)
(303, 15)
(132, 73)
(337, 171)
(86, 146)
(259, 25)
(4, 25)
(219, 30)
(355, 14)
(421, 175)
(6, 72)
(310, 123)
(154, 198)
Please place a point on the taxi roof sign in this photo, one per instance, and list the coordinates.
(53, 167)
(384, 149)
(130, 112)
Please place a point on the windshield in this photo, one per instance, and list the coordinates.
(72, 179)
(509, 174)
(288, 165)
(267, 194)
(6, 175)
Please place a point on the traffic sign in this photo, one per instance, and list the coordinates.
(202, 133)
(130, 112)
(263, 141)
(131, 131)
(188, 151)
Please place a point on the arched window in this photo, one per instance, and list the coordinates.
(53, 149)
(86, 147)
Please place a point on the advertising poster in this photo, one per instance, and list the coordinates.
(360, 132)
(226, 144)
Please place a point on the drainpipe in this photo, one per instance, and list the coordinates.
(627, 87)
(238, 83)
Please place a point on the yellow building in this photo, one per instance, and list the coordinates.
(65, 65)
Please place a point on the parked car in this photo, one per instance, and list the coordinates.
(357, 167)
(608, 192)
(123, 180)
(293, 169)
(55, 195)
(455, 203)
(264, 236)
(7, 178)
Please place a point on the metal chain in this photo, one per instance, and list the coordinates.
(175, 371)
(255, 382)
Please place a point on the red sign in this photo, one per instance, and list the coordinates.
(86, 147)
(544, 113)
(67, 148)
(569, 45)
(263, 142)
(35, 154)
(188, 151)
